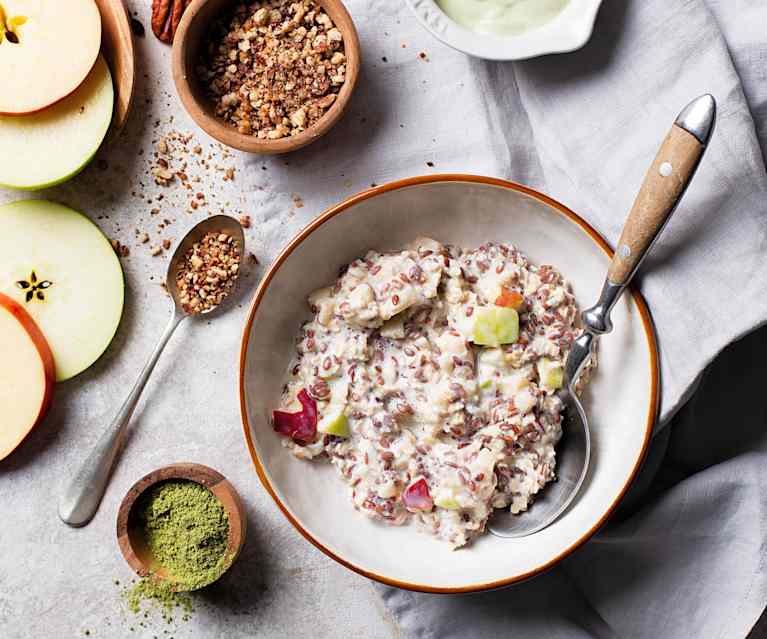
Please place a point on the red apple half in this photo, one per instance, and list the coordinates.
(27, 375)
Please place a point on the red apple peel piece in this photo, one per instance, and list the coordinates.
(417, 498)
(301, 427)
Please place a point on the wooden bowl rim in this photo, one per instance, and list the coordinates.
(211, 479)
(227, 134)
(120, 54)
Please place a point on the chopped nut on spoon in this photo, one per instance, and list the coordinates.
(208, 271)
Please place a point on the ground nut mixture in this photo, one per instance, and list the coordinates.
(394, 382)
(208, 271)
(273, 67)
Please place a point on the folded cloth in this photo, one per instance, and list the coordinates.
(688, 561)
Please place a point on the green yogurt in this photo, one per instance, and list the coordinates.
(502, 17)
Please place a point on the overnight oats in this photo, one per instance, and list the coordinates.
(428, 378)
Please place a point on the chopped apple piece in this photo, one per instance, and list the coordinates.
(394, 328)
(26, 375)
(489, 362)
(495, 325)
(417, 498)
(550, 373)
(445, 495)
(335, 423)
(301, 427)
(448, 503)
(510, 299)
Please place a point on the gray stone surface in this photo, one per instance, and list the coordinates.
(60, 582)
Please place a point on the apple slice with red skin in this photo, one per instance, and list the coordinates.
(27, 375)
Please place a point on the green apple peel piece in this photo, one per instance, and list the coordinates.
(335, 423)
(495, 325)
(550, 374)
(448, 503)
(489, 362)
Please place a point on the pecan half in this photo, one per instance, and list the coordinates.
(166, 15)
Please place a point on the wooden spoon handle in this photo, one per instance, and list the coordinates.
(663, 187)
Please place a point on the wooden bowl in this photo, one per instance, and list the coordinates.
(186, 48)
(129, 534)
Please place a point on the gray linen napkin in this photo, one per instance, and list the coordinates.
(689, 561)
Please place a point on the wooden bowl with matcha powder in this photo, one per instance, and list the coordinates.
(183, 525)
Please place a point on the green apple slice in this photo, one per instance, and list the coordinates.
(335, 423)
(495, 325)
(46, 148)
(59, 266)
(550, 374)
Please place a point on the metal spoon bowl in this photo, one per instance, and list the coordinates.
(86, 489)
(660, 193)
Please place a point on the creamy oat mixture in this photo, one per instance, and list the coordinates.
(427, 377)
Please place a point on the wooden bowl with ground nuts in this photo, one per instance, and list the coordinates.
(266, 77)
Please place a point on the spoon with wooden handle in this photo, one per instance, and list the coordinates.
(663, 187)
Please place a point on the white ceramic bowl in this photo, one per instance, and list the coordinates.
(568, 31)
(621, 401)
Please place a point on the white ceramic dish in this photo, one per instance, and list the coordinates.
(621, 401)
(570, 30)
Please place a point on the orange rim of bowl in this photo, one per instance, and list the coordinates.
(394, 186)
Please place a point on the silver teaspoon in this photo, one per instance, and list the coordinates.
(83, 496)
(663, 187)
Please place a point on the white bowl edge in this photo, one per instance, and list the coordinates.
(568, 31)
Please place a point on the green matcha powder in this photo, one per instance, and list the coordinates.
(187, 530)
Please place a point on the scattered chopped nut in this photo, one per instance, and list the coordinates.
(245, 221)
(166, 244)
(120, 249)
(208, 272)
(156, 250)
(143, 238)
(162, 175)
